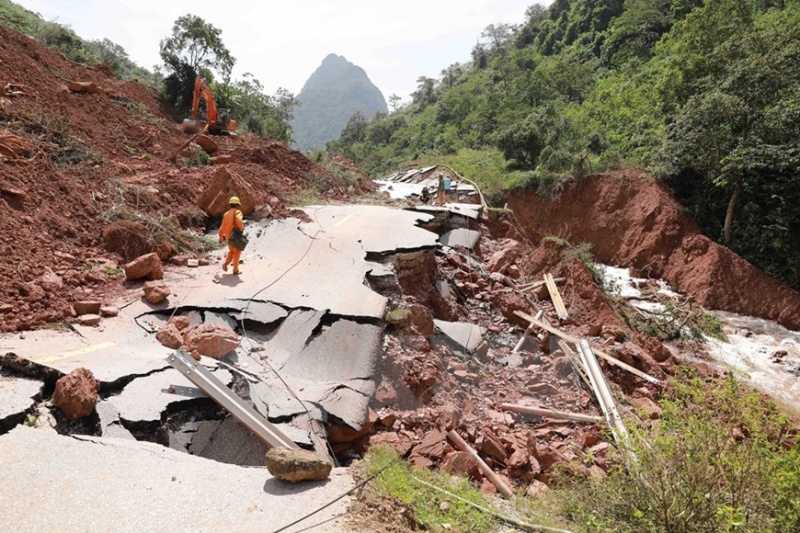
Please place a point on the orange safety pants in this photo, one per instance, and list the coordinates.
(233, 257)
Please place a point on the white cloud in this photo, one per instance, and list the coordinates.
(282, 42)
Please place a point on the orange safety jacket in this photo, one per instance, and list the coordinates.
(230, 220)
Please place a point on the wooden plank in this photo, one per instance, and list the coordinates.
(541, 411)
(462, 445)
(555, 297)
(576, 361)
(526, 334)
(603, 392)
(536, 285)
(575, 340)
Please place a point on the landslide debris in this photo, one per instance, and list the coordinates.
(86, 184)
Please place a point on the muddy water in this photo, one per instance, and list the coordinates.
(758, 351)
(762, 352)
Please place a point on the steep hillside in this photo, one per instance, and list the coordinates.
(333, 93)
(84, 160)
(636, 222)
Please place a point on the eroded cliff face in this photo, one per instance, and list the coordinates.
(633, 221)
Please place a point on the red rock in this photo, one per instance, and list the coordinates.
(223, 159)
(145, 266)
(50, 281)
(222, 185)
(461, 463)
(396, 441)
(108, 311)
(180, 322)
(207, 144)
(597, 473)
(179, 260)
(491, 446)
(504, 258)
(76, 393)
(650, 409)
(434, 445)
(89, 320)
(536, 489)
(211, 341)
(84, 87)
(87, 307)
(590, 437)
(170, 336)
(422, 320)
(514, 272)
(455, 260)
(487, 487)
(156, 292)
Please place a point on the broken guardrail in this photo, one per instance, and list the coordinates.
(217, 391)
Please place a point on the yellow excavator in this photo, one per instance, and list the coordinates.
(219, 119)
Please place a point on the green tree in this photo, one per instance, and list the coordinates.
(194, 48)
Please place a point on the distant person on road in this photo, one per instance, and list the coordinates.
(447, 184)
(231, 220)
(426, 195)
(440, 191)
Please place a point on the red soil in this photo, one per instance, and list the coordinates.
(635, 221)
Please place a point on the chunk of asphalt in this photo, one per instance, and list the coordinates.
(19, 395)
(464, 335)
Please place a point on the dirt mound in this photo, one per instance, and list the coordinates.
(634, 221)
(81, 166)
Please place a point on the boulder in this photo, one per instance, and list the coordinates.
(170, 336)
(87, 307)
(422, 320)
(222, 185)
(501, 260)
(210, 340)
(296, 465)
(156, 292)
(491, 446)
(222, 159)
(76, 393)
(461, 463)
(84, 87)
(207, 144)
(145, 266)
(89, 320)
(50, 281)
(108, 311)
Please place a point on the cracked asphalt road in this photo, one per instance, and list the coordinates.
(308, 314)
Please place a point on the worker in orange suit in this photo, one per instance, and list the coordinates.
(232, 219)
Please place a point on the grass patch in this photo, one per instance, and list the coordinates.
(431, 510)
(53, 137)
(199, 158)
(582, 252)
(55, 326)
(719, 459)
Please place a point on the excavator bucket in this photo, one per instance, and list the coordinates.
(191, 126)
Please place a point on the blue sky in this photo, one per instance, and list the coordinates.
(281, 42)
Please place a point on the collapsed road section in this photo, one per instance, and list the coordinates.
(308, 326)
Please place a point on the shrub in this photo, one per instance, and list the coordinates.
(715, 462)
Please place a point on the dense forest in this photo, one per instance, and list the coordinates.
(704, 94)
(335, 91)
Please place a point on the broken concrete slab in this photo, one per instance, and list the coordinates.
(291, 336)
(466, 238)
(471, 211)
(144, 399)
(343, 351)
(231, 442)
(18, 395)
(257, 311)
(110, 424)
(465, 336)
(156, 486)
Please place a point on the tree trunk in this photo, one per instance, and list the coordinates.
(737, 191)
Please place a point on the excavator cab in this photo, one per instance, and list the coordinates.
(219, 120)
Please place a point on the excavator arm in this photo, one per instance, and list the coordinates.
(202, 90)
(217, 122)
